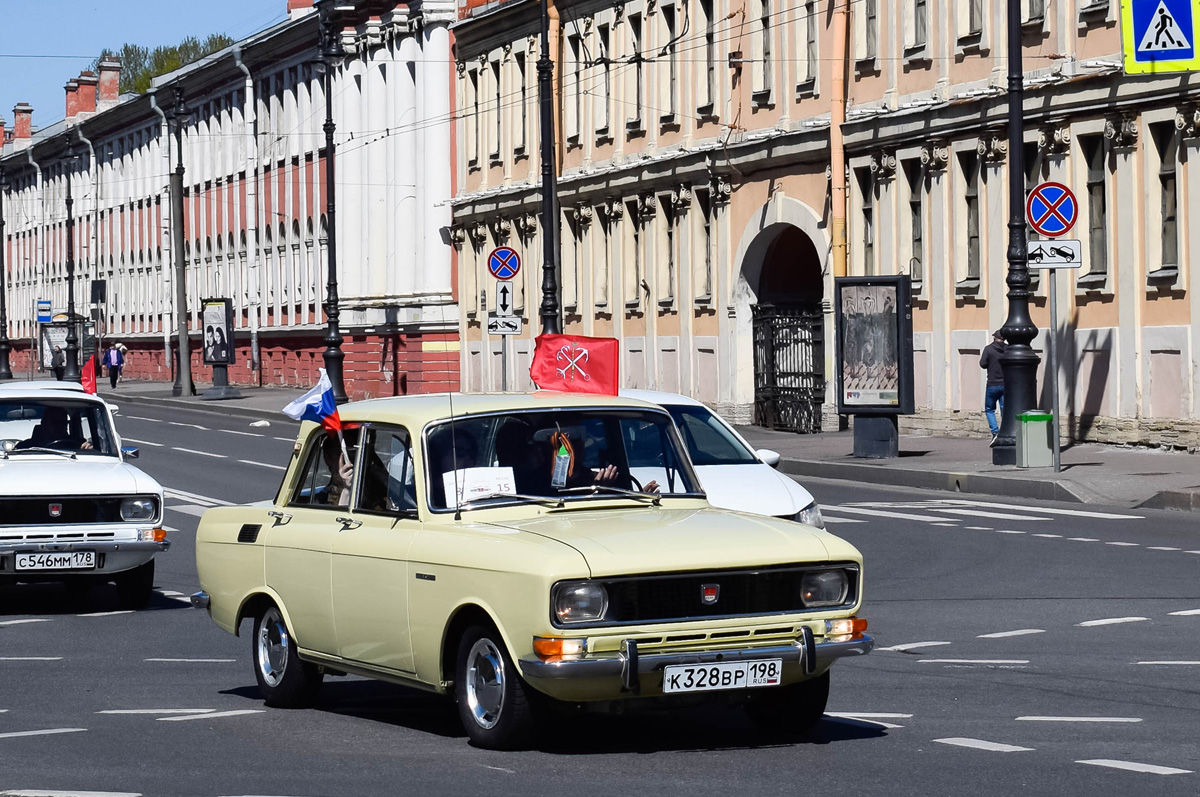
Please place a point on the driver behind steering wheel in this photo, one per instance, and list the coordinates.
(53, 432)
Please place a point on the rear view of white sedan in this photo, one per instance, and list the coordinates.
(734, 475)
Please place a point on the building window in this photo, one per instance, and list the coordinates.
(1035, 10)
(631, 256)
(920, 23)
(974, 17)
(866, 191)
(708, 86)
(808, 24)
(760, 42)
(635, 95)
(871, 12)
(523, 91)
(494, 144)
(666, 290)
(1164, 141)
(573, 96)
(670, 87)
(914, 176)
(970, 167)
(604, 36)
(1094, 156)
(704, 281)
(473, 109)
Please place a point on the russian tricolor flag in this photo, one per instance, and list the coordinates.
(317, 405)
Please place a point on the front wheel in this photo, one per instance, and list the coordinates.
(283, 679)
(494, 704)
(790, 710)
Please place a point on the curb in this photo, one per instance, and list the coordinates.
(1177, 500)
(195, 405)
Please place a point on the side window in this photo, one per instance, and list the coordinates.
(388, 482)
(321, 483)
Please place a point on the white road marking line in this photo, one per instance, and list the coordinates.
(1010, 531)
(237, 431)
(1124, 544)
(191, 509)
(1132, 766)
(1079, 719)
(1161, 548)
(1083, 539)
(276, 467)
(1191, 551)
(170, 593)
(47, 732)
(857, 510)
(3, 711)
(237, 713)
(979, 528)
(189, 425)
(974, 661)
(31, 658)
(829, 519)
(998, 515)
(1185, 663)
(105, 614)
(1186, 613)
(201, 453)
(203, 661)
(157, 711)
(1019, 632)
(196, 499)
(1043, 510)
(141, 442)
(869, 717)
(944, 524)
(40, 793)
(913, 646)
(980, 744)
(140, 418)
(1111, 621)
(286, 439)
(22, 622)
(1056, 536)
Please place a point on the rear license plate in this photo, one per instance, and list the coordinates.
(724, 675)
(70, 560)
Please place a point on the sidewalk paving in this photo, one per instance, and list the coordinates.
(1091, 473)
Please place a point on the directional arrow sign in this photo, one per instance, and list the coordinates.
(503, 298)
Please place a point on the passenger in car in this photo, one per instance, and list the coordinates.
(53, 431)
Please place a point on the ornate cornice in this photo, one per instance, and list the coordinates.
(1055, 139)
(1187, 120)
(1121, 130)
(883, 165)
(935, 155)
(527, 224)
(681, 197)
(993, 146)
(582, 214)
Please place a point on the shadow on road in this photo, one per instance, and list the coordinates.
(55, 599)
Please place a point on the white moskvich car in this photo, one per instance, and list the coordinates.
(71, 508)
(734, 475)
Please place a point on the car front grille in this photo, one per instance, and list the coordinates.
(71, 511)
(679, 597)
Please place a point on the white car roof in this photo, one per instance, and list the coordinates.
(661, 397)
(40, 384)
(41, 392)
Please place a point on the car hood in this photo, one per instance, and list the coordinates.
(651, 539)
(51, 475)
(755, 488)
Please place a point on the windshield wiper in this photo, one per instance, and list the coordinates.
(557, 503)
(39, 450)
(595, 489)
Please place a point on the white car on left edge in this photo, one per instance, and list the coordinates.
(732, 473)
(72, 509)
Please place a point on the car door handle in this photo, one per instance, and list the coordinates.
(281, 518)
(348, 523)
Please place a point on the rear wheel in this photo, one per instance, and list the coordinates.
(496, 707)
(134, 587)
(284, 680)
(791, 710)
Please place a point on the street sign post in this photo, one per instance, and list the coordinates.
(1160, 35)
(1051, 209)
(504, 263)
(1052, 337)
(43, 311)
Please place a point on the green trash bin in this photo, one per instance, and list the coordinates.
(1034, 442)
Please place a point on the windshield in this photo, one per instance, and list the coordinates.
(67, 424)
(567, 455)
(708, 439)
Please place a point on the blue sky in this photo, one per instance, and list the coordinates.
(49, 43)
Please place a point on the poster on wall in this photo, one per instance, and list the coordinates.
(218, 331)
(875, 348)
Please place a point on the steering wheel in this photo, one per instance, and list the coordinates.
(62, 442)
(635, 481)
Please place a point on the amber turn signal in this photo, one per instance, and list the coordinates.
(846, 627)
(550, 648)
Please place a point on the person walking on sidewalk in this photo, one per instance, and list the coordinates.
(994, 397)
(58, 363)
(113, 359)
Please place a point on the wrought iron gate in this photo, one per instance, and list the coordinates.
(789, 367)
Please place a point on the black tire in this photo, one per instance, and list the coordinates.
(791, 710)
(283, 679)
(134, 587)
(496, 707)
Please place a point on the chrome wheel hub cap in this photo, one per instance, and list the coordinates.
(272, 648)
(485, 683)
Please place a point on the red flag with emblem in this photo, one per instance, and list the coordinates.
(576, 364)
(88, 376)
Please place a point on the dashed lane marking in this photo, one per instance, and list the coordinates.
(1186, 613)
(1133, 766)
(191, 509)
(1111, 621)
(858, 510)
(974, 661)
(951, 525)
(872, 718)
(1191, 551)
(1079, 719)
(41, 793)
(141, 442)
(978, 528)
(157, 711)
(197, 661)
(1008, 531)
(214, 715)
(1043, 510)
(200, 453)
(238, 431)
(913, 646)
(22, 622)
(140, 418)
(189, 425)
(1124, 544)
(31, 658)
(1019, 632)
(829, 519)
(1161, 548)
(980, 744)
(105, 614)
(997, 515)
(269, 465)
(1083, 539)
(47, 732)
(1169, 663)
(174, 492)
(1048, 536)
(286, 439)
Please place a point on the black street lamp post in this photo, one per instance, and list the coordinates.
(331, 53)
(5, 346)
(71, 373)
(549, 311)
(1019, 361)
(183, 361)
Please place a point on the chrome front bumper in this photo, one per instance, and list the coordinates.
(130, 546)
(630, 663)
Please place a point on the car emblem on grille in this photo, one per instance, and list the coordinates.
(56, 510)
(709, 593)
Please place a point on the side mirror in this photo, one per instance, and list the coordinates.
(130, 452)
(768, 457)
(113, 408)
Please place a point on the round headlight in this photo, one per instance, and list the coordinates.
(824, 588)
(580, 602)
(138, 509)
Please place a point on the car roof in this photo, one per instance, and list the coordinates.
(41, 384)
(41, 392)
(418, 411)
(661, 397)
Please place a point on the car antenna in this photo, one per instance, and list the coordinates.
(453, 440)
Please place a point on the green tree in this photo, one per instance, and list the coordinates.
(140, 65)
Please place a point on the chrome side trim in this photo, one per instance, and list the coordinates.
(200, 599)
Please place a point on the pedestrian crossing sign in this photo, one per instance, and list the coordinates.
(1159, 35)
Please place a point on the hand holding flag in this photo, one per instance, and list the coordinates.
(317, 405)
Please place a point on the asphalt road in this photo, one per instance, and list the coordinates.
(1037, 649)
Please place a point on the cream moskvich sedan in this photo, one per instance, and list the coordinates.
(517, 550)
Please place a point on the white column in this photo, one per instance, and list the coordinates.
(435, 156)
(375, 158)
(404, 95)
